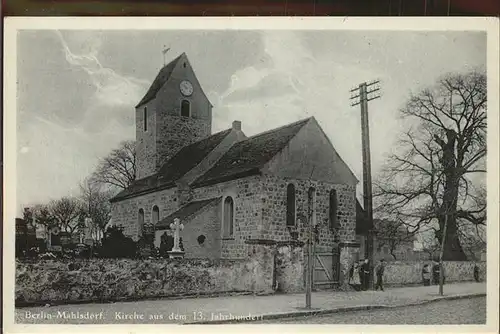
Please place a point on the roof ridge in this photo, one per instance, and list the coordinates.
(203, 203)
(238, 162)
(195, 143)
(304, 120)
(151, 92)
(214, 134)
(175, 60)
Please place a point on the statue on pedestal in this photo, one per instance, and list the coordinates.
(176, 251)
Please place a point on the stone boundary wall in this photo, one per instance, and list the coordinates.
(410, 272)
(289, 268)
(103, 280)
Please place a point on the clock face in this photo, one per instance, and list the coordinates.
(186, 88)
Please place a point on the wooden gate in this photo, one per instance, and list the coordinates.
(326, 269)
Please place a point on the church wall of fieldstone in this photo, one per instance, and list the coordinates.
(125, 213)
(205, 222)
(247, 197)
(168, 131)
(175, 132)
(145, 140)
(274, 210)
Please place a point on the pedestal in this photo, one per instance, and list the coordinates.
(176, 254)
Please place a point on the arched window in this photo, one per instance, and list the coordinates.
(228, 216)
(290, 205)
(333, 209)
(140, 220)
(145, 118)
(185, 108)
(156, 215)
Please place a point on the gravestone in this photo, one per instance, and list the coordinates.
(146, 243)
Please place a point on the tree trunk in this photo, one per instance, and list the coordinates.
(452, 248)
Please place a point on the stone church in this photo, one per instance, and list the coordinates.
(226, 188)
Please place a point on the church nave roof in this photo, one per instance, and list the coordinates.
(248, 156)
(185, 160)
(184, 212)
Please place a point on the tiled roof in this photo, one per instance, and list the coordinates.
(181, 163)
(190, 156)
(184, 212)
(139, 186)
(159, 81)
(248, 156)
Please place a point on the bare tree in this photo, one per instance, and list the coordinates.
(95, 202)
(41, 215)
(430, 246)
(392, 234)
(67, 212)
(118, 168)
(432, 176)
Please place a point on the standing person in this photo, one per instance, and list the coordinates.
(476, 272)
(354, 279)
(365, 269)
(435, 272)
(426, 275)
(360, 275)
(380, 275)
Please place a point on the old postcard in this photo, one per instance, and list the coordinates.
(251, 171)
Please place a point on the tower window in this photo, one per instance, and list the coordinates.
(290, 205)
(185, 108)
(145, 118)
(228, 216)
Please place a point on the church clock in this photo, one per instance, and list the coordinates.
(186, 88)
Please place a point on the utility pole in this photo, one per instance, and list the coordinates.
(310, 246)
(365, 94)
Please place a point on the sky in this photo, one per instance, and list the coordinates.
(76, 90)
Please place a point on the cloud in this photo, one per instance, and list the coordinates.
(294, 84)
(112, 89)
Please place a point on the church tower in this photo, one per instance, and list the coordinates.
(175, 112)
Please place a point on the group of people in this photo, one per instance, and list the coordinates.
(359, 275)
(433, 272)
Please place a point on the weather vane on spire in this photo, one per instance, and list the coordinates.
(164, 51)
